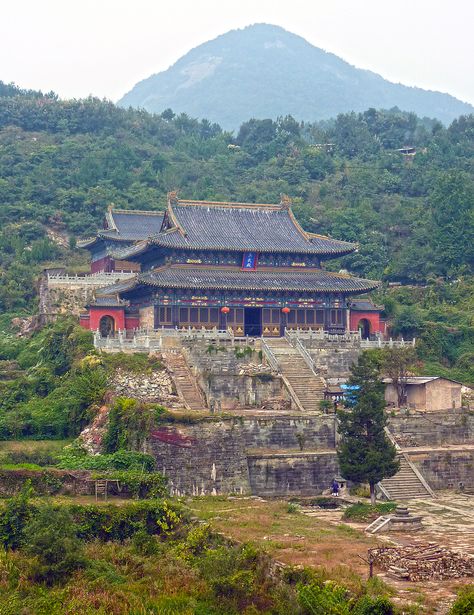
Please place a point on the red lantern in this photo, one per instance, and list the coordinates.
(285, 310)
(225, 309)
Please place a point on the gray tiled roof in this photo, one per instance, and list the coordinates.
(127, 225)
(315, 280)
(365, 305)
(132, 225)
(243, 227)
(108, 301)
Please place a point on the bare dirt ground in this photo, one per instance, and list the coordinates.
(319, 538)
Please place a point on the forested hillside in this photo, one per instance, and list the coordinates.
(63, 162)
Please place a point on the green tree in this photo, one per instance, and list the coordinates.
(365, 454)
(452, 206)
(51, 537)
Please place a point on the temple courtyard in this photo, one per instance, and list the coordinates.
(305, 535)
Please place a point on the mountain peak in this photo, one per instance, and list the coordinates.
(263, 71)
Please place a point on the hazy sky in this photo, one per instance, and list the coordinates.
(103, 47)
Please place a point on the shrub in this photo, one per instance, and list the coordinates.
(44, 482)
(367, 512)
(327, 599)
(143, 543)
(373, 606)
(14, 518)
(75, 458)
(464, 604)
(245, 351)
(50, 536)
(140, 485)
(121, 522)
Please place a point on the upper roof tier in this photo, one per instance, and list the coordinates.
(127, 225)
(210, 225)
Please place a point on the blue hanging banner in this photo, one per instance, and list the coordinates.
(249, 260)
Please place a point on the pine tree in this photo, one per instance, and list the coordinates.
(365, 453)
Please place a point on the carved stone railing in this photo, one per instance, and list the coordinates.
(295, 341)
(93, 279)
(349, 336)
(270, 356)
(380, 343)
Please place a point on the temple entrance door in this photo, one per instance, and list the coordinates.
(253, 322)
(364, 328)
(106, 326)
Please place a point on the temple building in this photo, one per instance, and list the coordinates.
(245, 267)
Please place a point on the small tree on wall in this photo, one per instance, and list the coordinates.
(365, 453)
(396, 364)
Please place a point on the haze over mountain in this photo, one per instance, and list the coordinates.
(264, 71)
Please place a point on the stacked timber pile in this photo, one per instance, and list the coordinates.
(418, 562)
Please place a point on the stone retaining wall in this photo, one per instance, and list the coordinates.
(435, 428)
(292, 474)
(210, 456)
(242, 391)
(444, 469)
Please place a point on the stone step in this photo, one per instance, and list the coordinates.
(186, 382)
(406, 484)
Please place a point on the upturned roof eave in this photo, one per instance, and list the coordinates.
(145, 279)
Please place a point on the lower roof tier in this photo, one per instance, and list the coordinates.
(223, 278)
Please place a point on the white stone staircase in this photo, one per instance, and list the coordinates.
(307, 387)
(408, 483)
(186, 384)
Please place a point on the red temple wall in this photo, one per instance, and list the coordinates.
(102, 264)
(84, 321)
(96, 313)
(376, 326)
(131, 322)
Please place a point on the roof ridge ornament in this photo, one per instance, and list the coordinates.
(173, 197)
(285, 201)
(109, 217)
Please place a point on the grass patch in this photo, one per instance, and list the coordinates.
(367, 512)
(34, 452)
(137, 363)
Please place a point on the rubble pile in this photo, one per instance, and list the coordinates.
(406, 440)
(255, 369)
(276, 404)
(419, 562)
(91, 436)
(155, 387)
